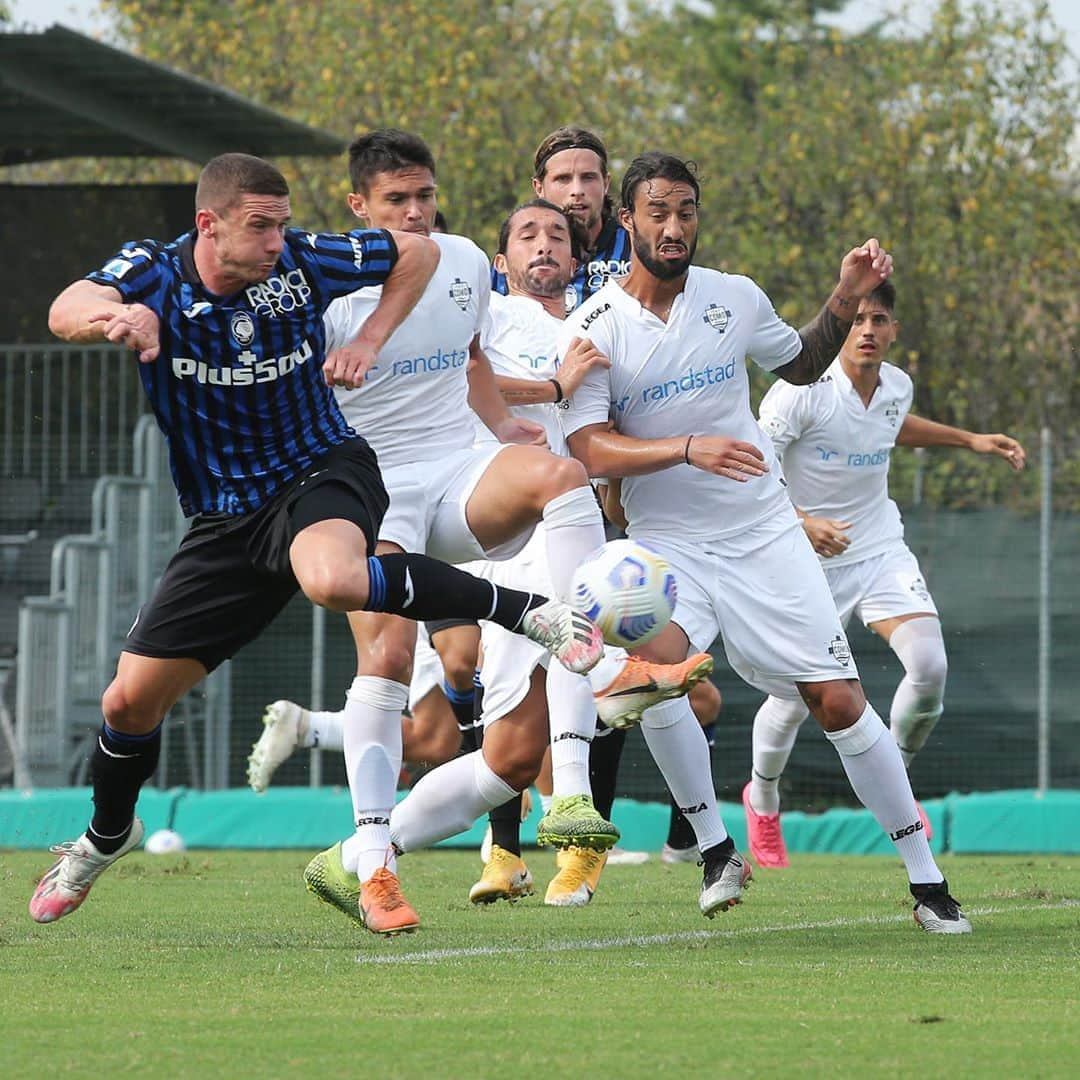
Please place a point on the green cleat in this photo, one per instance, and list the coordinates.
(326, 877)
(573, 822)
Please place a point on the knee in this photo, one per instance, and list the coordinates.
(836, 705)
(930, 669)
(516, 761)
(336, 587)
(459, 666)
(550, 476)
(125, 712)
(705, 701)
(387, 657)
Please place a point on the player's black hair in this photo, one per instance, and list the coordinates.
(885, 295)
(572, 138)
(576, 239)
(386, 150)
(228, 176)
(657, 165)
(440, 222)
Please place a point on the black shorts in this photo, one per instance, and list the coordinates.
(433, 626)
(231, 575)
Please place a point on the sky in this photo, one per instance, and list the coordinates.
(80, 14)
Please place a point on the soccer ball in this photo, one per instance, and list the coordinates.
(627, 590)
(164, 842)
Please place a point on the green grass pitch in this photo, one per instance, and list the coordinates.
(220, 964)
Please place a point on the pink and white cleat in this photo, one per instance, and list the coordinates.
(572, 638)
(66, 884)
(765, 836)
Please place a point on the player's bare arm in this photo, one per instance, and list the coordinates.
(605, 452)
(918, 431)
(488, 402)
(87, 312)
(417, 259)
(581, 357)
(863, 269)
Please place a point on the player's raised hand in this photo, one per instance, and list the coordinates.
(828, 537)
(135, 326)
(864, 269)
(1001, 445)
(580, 358)
(348, 365)
(515, 429)
(718, 454)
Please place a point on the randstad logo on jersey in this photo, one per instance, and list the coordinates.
(252, 369)
(280, 294)
(429, 365)
(691, 379)
(878, 457)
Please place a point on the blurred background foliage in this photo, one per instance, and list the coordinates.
(954, 144)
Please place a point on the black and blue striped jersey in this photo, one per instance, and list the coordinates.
(610, 259)
(238, 388)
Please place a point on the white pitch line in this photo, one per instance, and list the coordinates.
(644, 941)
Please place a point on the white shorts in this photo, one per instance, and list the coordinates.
(427, 507)
(771, 606)
(884, 586)
(510, 659)
(427, 671)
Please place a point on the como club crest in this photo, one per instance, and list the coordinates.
(461, 293)
(717, 317)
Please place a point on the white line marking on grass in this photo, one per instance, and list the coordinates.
(685, 937)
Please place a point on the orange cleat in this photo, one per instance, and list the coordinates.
(641, 684)
(383, 907)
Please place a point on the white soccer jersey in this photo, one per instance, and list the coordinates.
(835, 453)
(684, 377)
(413, 405)
(520, 341)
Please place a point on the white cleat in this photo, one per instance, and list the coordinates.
(937, 912)
(670, 855)
(66, 884)
(574, 640)
(284, 725)
(618, 856)
(723, 886)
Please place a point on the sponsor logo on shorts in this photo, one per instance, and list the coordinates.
(839, 650)
(907, 830)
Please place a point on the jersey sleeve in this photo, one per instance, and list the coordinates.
(336, 325)
(591, 402)
(773, 343)
(782, 415)
(345, 262)
(483, 298)
(136, 272)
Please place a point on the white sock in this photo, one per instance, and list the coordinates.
(681, 751)
(325, 730)
(775, 728)
(446, 801)
(572, 718)
(545, 801)
(876, 771)
(612, 661)
(917, 704)
(573, 528)
(372, 738)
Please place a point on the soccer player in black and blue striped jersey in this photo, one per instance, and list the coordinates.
(227, 323)
(570, 169)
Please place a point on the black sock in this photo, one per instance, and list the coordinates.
(680, 834)
(417, 587)
(506, 825)
(718, 854)
(604, 755)
(463, 705)
(120, 766)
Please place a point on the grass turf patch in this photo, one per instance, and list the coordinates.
(221, 963)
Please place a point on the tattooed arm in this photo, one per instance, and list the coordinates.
(863, 269)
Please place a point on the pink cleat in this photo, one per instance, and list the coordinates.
(66, 884)
(765, 835)
(927, 830)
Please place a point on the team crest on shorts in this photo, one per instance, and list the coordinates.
(242, 328)
(461, 293)
(918, 587)
(717, 317)
(839, 650)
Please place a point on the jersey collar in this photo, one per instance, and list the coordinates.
(186, 250)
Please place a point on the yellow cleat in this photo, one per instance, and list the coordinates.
(505, 877)
(578, 876)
